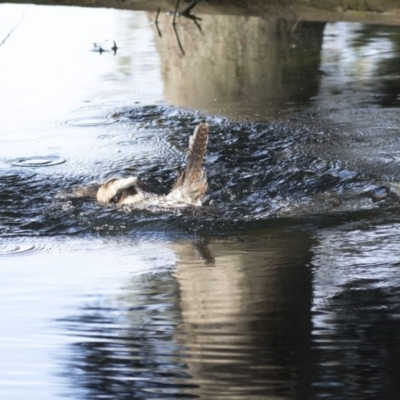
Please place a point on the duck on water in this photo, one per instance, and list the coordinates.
(188, 190)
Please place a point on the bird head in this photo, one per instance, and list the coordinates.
(111, 191)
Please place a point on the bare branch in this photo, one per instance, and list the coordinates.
(15, 27)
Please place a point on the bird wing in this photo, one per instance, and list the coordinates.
(192, 182)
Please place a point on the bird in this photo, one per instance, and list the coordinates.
(188, 190)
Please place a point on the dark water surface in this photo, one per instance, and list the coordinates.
(287, 287)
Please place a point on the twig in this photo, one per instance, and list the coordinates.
(186, 11)
(177, 38)
(156, 22)
(176, 12)
(295, 25)
(174, 26)
(293, 31)
(13, 29)
(197, 24)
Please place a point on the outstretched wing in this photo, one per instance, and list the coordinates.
(192, 183)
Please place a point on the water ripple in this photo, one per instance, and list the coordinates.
(9, 176)
(382, 159)
(92, 121)
(10, 249)
(255, 171)
(34, 162)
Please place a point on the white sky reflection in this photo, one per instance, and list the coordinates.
(48, 67)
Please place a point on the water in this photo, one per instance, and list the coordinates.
(286, 286)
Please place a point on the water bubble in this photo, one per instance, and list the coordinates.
(379, 193)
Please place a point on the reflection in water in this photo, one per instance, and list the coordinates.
(233, 325)
(246, 317)
(252, 321)
(128, 349)
(338, 78)
(65, 78)
(243, 67)
(237, 317)
(356, 57)
(359, 96)
(356, 311)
